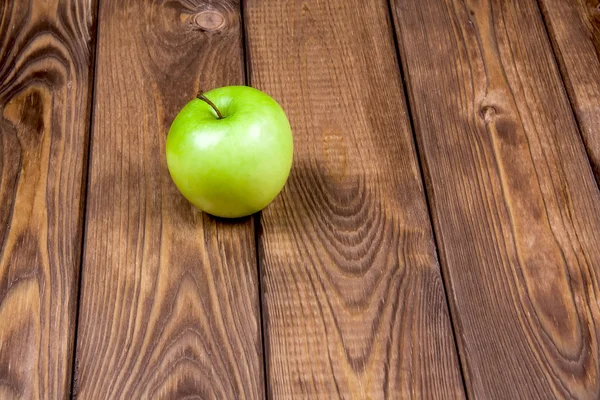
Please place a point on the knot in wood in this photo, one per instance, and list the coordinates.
(209, 21)
(488, 113)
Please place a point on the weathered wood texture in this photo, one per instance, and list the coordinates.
(516, 208)
(169, 303)
(46, 51)
(354, 304)
(574, 27)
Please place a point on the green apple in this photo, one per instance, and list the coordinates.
(229, 151)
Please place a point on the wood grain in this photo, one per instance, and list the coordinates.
(354, 305)
(46, 51)
(574, 27)
(516, 208)
(169, 303)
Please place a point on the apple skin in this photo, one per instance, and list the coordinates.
(234, 166)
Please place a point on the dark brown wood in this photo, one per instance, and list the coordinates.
(169, 302)
(516, 208)
(574, 27)
(46, 52)
(354, 305)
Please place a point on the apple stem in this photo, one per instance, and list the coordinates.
(202, 97)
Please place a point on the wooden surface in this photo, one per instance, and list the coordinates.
(169, 302)
(353, 301)
(515, 205)
(478, 118)
(574, 27)
(46, 52)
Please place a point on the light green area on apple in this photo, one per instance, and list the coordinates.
(234, 166)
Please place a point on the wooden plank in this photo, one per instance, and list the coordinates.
(516, 208)
(354, 305)
(46, 52)
(574, 27)
(169, 304)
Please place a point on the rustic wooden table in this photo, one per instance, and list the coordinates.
(438, 237)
